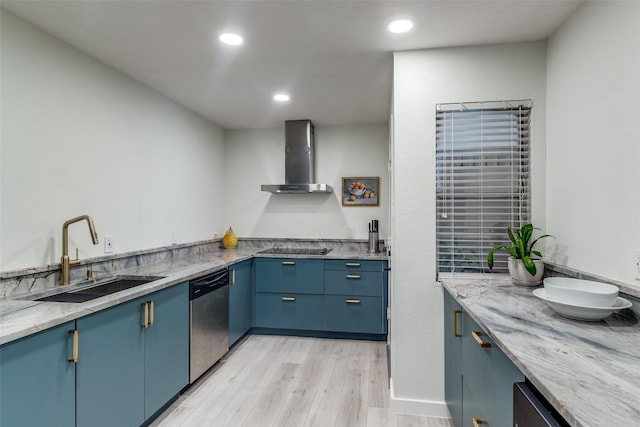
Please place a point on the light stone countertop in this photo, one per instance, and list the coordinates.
(20, 317)
(589, 371)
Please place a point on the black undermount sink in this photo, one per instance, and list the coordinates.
(117, 284)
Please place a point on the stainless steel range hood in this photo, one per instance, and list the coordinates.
(299, 161)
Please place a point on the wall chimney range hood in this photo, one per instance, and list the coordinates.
(299, 161)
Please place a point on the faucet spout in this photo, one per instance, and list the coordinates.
(65, 262)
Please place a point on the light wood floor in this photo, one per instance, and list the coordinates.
(293, 381)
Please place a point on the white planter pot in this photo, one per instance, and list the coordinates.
(520, 276)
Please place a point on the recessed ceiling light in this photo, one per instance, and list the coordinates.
(231, 39)
(400, 26)
(281, 97)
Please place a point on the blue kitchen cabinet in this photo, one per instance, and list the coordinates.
(479, 377)
(289, 311)
(453, 325)
(110, 369)
(37, 381)
(240, 300)
(289, 293)
(166, 347)
(355, 296)
(290, 275)
(133, 358)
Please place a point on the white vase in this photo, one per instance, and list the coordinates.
(520, 275)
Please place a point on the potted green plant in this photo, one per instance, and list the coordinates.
(525, 264)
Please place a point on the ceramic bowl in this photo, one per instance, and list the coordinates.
(580, 292)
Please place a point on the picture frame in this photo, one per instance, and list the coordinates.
(360, 191)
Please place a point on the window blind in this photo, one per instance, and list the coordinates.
(482, 181)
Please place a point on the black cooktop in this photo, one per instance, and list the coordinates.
(296, 251)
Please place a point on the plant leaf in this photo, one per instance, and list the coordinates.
(490, 255)
(512, 251)
(536, 241)
(537, 253)
(520, 249)
(527, 231)
(511, 237)
(529, 265)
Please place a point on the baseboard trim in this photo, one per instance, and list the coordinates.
(417, 407)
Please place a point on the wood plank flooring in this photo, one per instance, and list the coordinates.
(293, 381)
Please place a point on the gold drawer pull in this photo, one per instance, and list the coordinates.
(151, 314)
(352, 276)
(352, 301)
(145, 306)
(288, 299)
(74, 357)
(455, 323)
(352, 264)
(233, 276)
(478, 421)
(476, 336)
(288, 263)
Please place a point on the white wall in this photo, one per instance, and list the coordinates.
(255, 157)
(593, 134)
(423, 79)
(81, 138)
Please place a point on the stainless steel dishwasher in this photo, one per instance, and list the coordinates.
(208, 321)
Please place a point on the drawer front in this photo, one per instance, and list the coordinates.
(358, 314)
(354, 283)
(289, 311)
(353, 265)
(289, 275)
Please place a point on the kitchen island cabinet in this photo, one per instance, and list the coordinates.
(240, 300)
(37, 380)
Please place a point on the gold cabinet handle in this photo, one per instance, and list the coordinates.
(145, 323)
(288, 299)
(152, 313)
(476, 336)
(477, 421)
(352, 264)
(352, 301)
(74, 356)
(233, 276)
(352, 276)
(455, 323)
(288, 263)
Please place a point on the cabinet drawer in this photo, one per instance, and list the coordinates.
(289, 311)
(353, 265)
(354, 283)
(289, 275)
(359, 314)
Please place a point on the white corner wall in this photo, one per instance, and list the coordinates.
(593, 139)
(423, 79)
(78, 138)
(256, 157)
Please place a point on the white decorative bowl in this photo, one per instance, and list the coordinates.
(579, 292)
(582, 313)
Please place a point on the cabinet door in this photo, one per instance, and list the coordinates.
(290, 311)
(37, 382)
(353, 313)
(110, 368)
(290, 275)
(453, 327)
(240, 300)
(166, 347)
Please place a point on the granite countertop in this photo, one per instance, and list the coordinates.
(589, 371)
(20, 317)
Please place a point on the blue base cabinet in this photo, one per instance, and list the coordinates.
(316, 295)
(166, 347)
(355, 296)
(37, 382)
(240, 300)
(132, 358)
(479, 377)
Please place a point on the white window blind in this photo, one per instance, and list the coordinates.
(482, 181)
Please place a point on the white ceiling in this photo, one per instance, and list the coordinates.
(333, 57)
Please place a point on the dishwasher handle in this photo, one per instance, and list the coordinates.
(207, 284)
